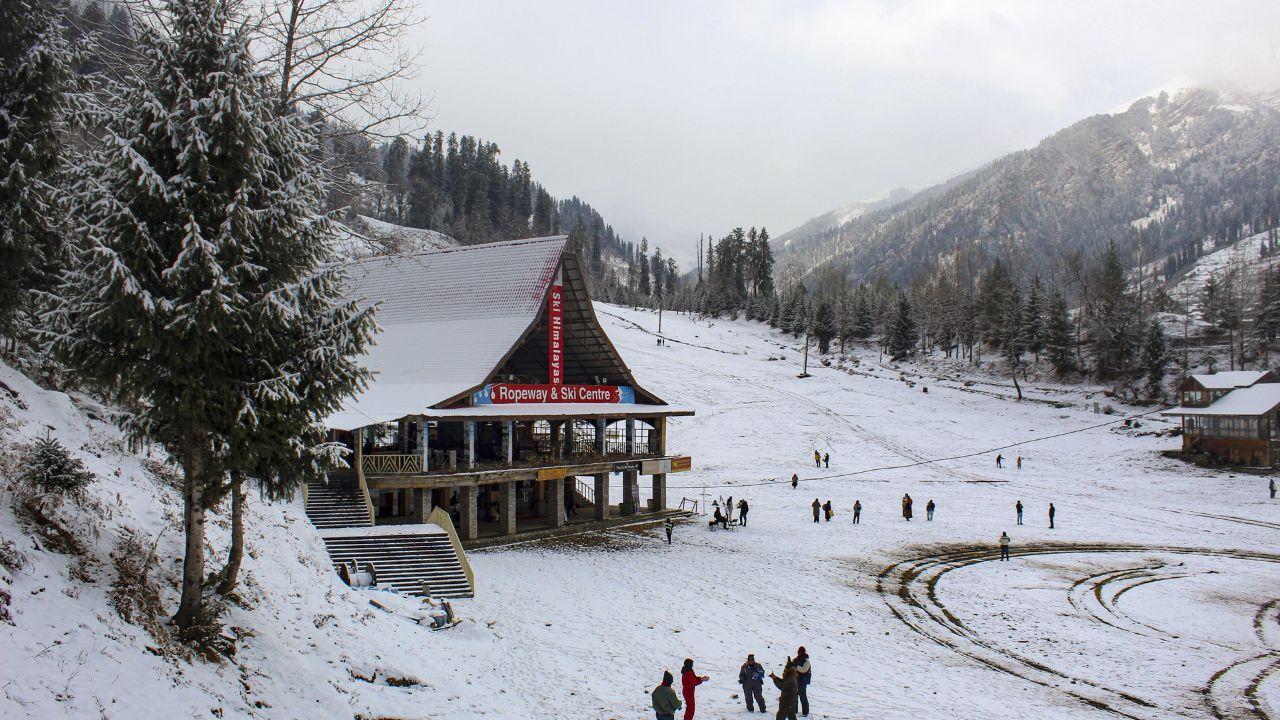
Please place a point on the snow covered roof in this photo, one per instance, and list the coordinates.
(448, 319)
(1255, 400)
(1229, 380)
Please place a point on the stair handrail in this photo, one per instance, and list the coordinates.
(587, 491)
(441, 518)
(364, 491)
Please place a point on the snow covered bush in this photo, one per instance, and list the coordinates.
(50, 468)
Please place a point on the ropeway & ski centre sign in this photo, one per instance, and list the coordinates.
(514, 394)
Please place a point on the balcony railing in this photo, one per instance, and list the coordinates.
(388, 464)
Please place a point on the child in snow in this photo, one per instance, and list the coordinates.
(688, 681)
(788, 691)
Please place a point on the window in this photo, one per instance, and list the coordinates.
(1192, 398)
(1233, 426)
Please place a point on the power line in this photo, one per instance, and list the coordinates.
(774, 481)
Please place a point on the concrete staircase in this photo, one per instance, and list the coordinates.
(405, 561)
(338, 503)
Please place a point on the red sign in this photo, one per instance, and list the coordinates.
(512, 394)
(555, 339)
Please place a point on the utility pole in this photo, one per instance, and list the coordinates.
(805, 372)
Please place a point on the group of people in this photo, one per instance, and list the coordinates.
(722, 514)
(1017, 508)
(793, 688)
(822, 509)
(820, 459)
(1000, 461)
(908, 508)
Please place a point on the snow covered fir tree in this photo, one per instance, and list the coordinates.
(370, 359)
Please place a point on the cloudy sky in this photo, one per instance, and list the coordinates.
(675, 118)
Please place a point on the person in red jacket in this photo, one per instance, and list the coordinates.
(688, 681)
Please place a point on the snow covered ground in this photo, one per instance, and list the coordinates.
(1153, 598)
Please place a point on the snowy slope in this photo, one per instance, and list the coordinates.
(1243, 254)
(363, 236)
(1153, 600)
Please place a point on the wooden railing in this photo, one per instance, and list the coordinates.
(441, 518)
(391, 464)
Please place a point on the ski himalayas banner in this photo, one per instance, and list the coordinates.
(555, 339)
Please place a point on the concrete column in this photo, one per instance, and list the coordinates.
(602, 496)
(659, 492)
(554, 490)
(424, 443)
(468, 516)
(568, 438)
(555, 439)
(507, 508)
(601, 423)
(421, 504)
(631, 436)
(509, 441)
(471, 443)
(630, 492)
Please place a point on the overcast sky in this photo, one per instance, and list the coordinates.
(675, 118)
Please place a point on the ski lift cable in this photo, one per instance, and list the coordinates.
(918, 463)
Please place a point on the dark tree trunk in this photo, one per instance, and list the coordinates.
(231, 573)
(189, 605)
(1016, 386)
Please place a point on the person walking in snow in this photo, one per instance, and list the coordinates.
(906, 507)
(1273, 488)
(1019, 462)
(804, 673)
(570, 507)
(857, 511)
(751, 678)
(826, 459)
(1051, 513)
(928, 510)
(827, 512)
(817, 459)
(788, 691)
(999, 461)
(665, 702)
(742, 512)
(1018, 507)
(668, 526)
(1004, 546)
(817, 509)
(795, 480)
(689, 680)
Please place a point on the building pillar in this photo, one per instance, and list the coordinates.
(631, 436)
(601, 423)
(630, 492)
(424, 443)
(471, 443)
(468, 515)
(602, 496)
(509, 441)
(659, 502)
(568, 438)
(555, 439)
(507, 508)
(554, 490)
(420, 501)
(660, 424)
(358, 435)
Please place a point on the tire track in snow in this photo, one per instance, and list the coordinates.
(1231, 694)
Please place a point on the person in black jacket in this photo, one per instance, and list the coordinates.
(751, 678)
(742, 512)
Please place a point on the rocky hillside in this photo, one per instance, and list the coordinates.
(1162, 178)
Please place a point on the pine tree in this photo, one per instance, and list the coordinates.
(35, 93)
(643, 261)
(50, 468)
(1111, 317)
(824, 325)
(1155, 360)
(1033, 319)
(1060, 335)
(200, 295)
(902, 330)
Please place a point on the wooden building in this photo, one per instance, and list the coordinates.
(1231, 417)
(497, 396)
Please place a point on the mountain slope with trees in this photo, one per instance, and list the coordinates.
(1166, 180)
